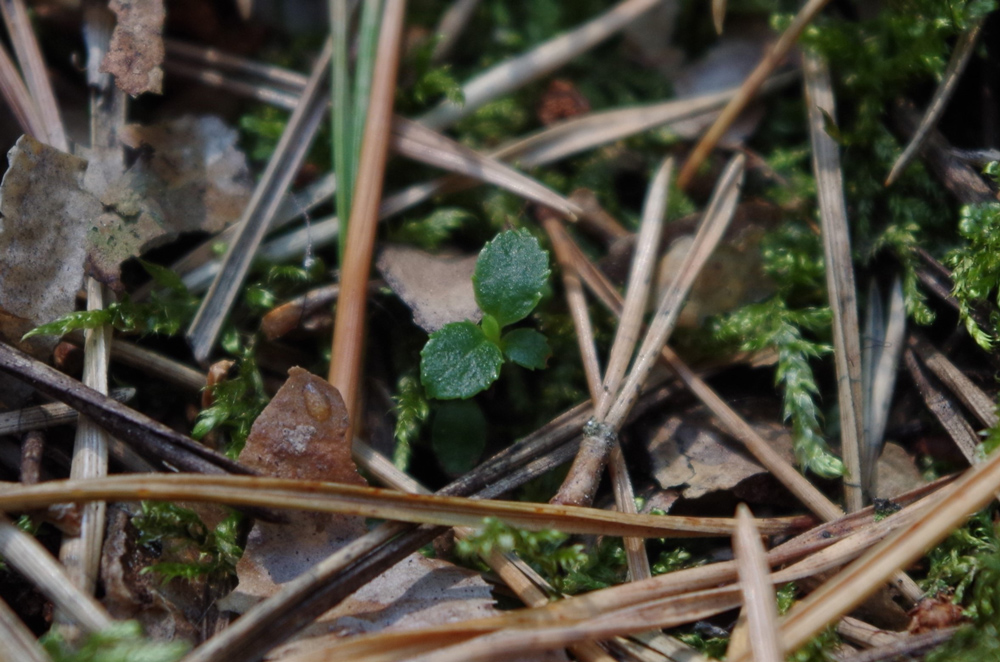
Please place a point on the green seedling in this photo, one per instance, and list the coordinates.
(464, 358)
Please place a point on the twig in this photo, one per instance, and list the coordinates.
(29, 558)
(15, 93)
(428, 146)
(536, 63)
(263, 207)
(717, 216)
(839, 274)
(962, 181)
(748, 90)
(19, 644)
(980, 404)
(50, 415)
(29, 56)
(719, 15)
(963, 50)
(759, 602)
(944, 410)
(349, 324)
(734, 425)
(905, 646)
(149, 437)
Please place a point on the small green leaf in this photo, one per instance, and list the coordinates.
(510, 273)
(83, 319)
(164, 277)
(459, 361)
(458, 436)
(527, 348)
(491, 328)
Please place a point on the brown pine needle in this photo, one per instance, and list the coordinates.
(759, 602)
(263, 207)
(839, 274)
(964, 48)
(349, 325)
(748, 90)
(29, 558)
(19, 643)
(370, 502)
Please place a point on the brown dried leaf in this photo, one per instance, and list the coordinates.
(189, 177)
(437, 289)
(136, 51)
(897, 472)
(300, 434)
(703, 460)
(415, 593)
(46, 217)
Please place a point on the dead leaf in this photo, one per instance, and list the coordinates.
(438, 289)
(46, 217)
(897, 472)
(189, 176)
(703, 460)
(136, 51)
(415, 593)
(301, 434)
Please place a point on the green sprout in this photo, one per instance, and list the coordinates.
(463, 358)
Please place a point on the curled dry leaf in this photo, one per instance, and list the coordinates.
(703, 460)
(438, 289)
(301, 434)
(136, 51)
(189, 177)
(46, 217)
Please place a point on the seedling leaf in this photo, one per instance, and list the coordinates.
(459, 361)
(527, 348)
(510, 273)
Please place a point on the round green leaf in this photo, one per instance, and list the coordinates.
(459, 361)
(510, 273)
(458, 436)
(526, 347)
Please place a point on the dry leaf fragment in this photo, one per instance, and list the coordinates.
(189, 177)
(300, 434)
(438, 289)
(703, 460)
(46, 216)
(561, 100)
(136, 51)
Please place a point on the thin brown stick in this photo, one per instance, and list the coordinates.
(262, 208)
(36, 77)
(839, 274)
(904, 647)
(980, 404)
(15, 93)
(748, 90)
(349, 325)
(19, 644)
(963, 50)
(759, 602)
(944, 410)
(29, 558)
(451, 25)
